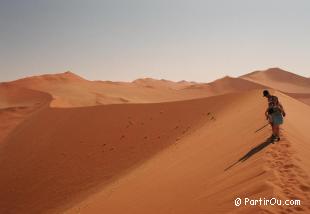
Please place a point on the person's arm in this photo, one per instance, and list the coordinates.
(266, 114)
(282, 109)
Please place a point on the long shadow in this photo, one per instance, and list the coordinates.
(252, 152)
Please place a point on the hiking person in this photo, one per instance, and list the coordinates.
(274, 113)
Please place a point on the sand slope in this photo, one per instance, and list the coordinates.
(69, 145)
(293, 85)
(226, 85)
(194, 176)
(154, 158)
(16, 104)
(59, 155)
(305, 98)
(281, 80)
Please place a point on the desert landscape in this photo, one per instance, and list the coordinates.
(71, 145)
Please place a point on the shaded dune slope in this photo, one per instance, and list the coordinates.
(59, 156)
(15, 96)
(16, 104)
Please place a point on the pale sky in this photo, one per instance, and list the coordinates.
(171, 39)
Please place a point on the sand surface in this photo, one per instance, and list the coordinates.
(281, 80)
(70, 145)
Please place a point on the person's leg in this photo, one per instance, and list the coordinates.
(278, 131)
(274, 131)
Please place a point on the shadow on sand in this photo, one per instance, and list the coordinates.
(252, 152)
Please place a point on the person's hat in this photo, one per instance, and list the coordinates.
(265, 93)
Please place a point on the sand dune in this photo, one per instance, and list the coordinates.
(67, 147)
(16, 104)
(305, 98)
(15, 96)
(293, 85)
(281, 80)
(226, 85)
(153, 83)
(58, 155)
(65, 162)
(70, 90)
(67, 89)
(190, 176)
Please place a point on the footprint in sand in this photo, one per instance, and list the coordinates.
(299, 209)
(288, 166)
(304, 188)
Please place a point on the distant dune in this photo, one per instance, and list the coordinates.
(290, 83)
(70, 145)
(16, 104)
(226, 85)
(69, 90)
(281, 80)
(305, 98)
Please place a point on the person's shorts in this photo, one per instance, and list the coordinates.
(276, 118)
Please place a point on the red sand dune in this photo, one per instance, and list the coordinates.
(305, 98)
(293, 85)
(16, 104)
(154, 83)
(190, 176)
(67, 89)
(281, 80)
(62, 151)
(14, 96)
(226, 85)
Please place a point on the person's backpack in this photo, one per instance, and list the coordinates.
(273, 105)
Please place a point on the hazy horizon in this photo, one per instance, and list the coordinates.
(175, 40)
(197, 81)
